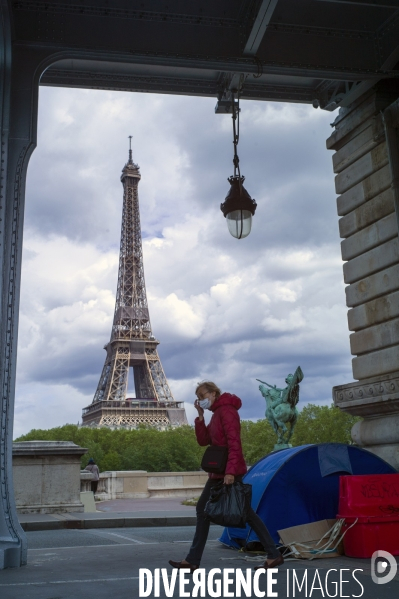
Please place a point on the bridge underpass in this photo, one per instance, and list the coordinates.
(329, 53)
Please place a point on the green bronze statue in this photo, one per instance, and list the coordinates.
(281, 407)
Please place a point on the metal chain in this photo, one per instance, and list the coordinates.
(236, 139)
(236, 132)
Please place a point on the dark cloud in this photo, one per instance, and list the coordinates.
(224, 309)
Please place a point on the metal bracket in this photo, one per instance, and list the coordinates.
(331, 94)
(226, 107)
(232, 82)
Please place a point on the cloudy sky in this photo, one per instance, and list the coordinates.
(225, 309)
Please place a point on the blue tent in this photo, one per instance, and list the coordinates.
(301, 485)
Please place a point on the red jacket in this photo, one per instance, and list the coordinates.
(224, 429)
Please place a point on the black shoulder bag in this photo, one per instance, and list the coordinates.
(214, 459)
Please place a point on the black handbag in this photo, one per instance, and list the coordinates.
(228, 505)
(214, 459)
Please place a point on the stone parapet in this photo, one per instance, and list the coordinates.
(85, 481)
(140, 484)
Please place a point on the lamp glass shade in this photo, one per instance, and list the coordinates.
(239, 223)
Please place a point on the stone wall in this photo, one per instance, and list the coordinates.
(368, 225)
(141, 484)
(370, 248)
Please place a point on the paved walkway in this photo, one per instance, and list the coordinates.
(104, 563)
(117, 513)
(98, 560)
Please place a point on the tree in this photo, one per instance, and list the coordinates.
(258, 439)
(177, 450)
(316, 424)
(172, 450)
(111, 461)
(323, 424)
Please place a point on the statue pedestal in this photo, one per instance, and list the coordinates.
(279, 446)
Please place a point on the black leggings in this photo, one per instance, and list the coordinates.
(202, 529)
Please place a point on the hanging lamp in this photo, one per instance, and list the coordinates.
(238, 207)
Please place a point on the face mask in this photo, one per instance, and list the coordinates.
(205, 404)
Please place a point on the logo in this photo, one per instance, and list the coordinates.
(380, 560)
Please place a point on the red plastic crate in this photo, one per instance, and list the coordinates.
(371, 534)
(369, 495)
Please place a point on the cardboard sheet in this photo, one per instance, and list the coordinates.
(310, 535)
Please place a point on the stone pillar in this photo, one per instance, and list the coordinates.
(365, 162)
(47, 476)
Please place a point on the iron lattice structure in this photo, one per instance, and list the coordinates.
(132, 344)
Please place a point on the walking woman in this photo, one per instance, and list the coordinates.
(223, 430)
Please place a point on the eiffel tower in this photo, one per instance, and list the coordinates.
(132, 344)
